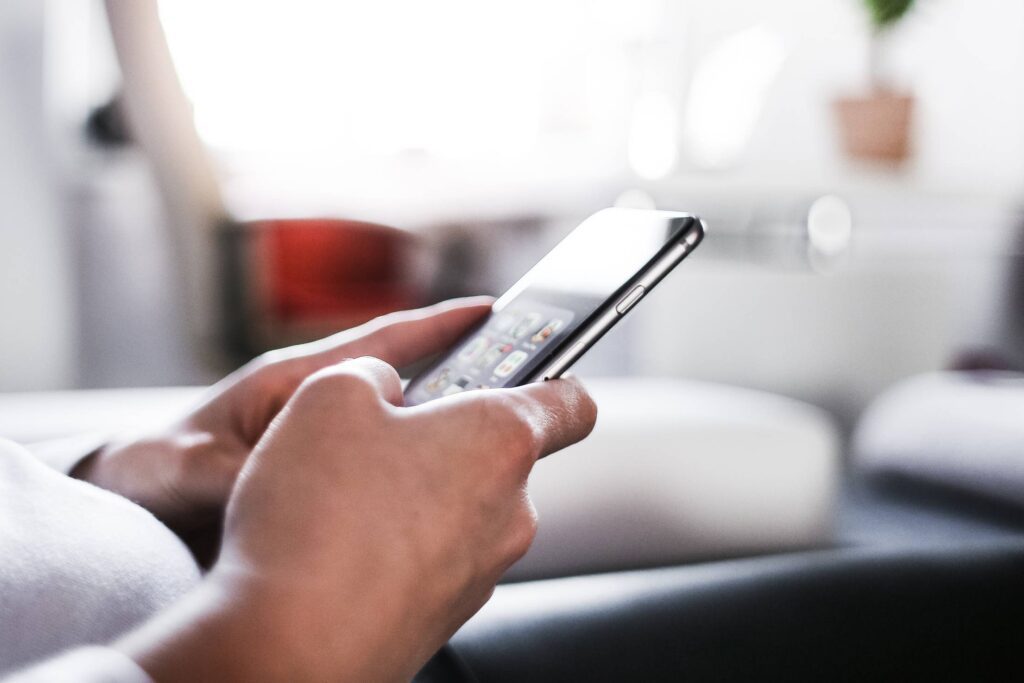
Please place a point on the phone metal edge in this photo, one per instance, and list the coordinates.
(653, 275)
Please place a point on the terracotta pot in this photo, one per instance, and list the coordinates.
(876, 127)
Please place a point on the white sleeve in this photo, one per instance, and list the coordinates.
(63, 454)
(84, 665)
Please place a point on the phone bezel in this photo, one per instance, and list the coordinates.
(683, 233)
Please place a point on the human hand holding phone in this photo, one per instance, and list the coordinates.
(361, 533)
(364, 523)
(184, 471)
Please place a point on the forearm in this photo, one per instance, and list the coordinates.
(202, 638)
(214, 633)
(229, 631)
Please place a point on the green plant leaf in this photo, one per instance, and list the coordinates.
(885, 13)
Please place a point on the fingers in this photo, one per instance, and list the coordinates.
(378, 374)
(210, 476)
(561, 412)
(359, 380)
(540, 418)
(403, 338)
(398, 338)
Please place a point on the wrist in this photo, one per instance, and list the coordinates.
(240, 625)
(221, 631)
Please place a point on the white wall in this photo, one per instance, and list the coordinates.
(835, 341)
(36, 311)
(930, 240)
(963, 59)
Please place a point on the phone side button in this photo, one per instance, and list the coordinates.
(629, 300)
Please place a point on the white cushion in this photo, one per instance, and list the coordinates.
(679, 471)
(674, 471)
(957, 429)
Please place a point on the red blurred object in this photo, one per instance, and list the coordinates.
(311, 277)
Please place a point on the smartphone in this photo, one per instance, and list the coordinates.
(569, 300)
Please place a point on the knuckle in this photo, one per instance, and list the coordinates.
(523, 439)
(515, 431)
(524, 530)
(491, 408)
(508, 409)
(375, 365)
(338, 382)
(484, 596)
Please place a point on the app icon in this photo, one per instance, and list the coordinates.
(527, 325)
(509, 365)
(493, 354)
(474, 349)
(455, 387)
(440, 381)
(544, 333)
(503, 322)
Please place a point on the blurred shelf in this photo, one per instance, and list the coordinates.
(895, 216)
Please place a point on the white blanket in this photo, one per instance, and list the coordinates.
(78, 565)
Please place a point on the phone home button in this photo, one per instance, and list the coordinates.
(629, 300)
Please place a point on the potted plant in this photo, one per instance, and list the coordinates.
(876, 126)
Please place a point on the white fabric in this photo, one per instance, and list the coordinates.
(78, 565)
(680, 471)
(40, 415)
(63, 454)
(87, 664)
(959, 429)
(675, 471)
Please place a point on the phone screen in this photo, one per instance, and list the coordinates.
(545, 309)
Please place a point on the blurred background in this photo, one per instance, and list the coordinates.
(839, 367)
(184, 184)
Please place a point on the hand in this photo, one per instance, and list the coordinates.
(184, 473)
(362, 534)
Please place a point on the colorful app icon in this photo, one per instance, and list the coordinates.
(458, 385)
(493, 355)
(440, 381)
(544, 333)
(528, 324)
(474, 349)
(511, 363)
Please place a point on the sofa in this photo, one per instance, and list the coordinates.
(707, 532)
